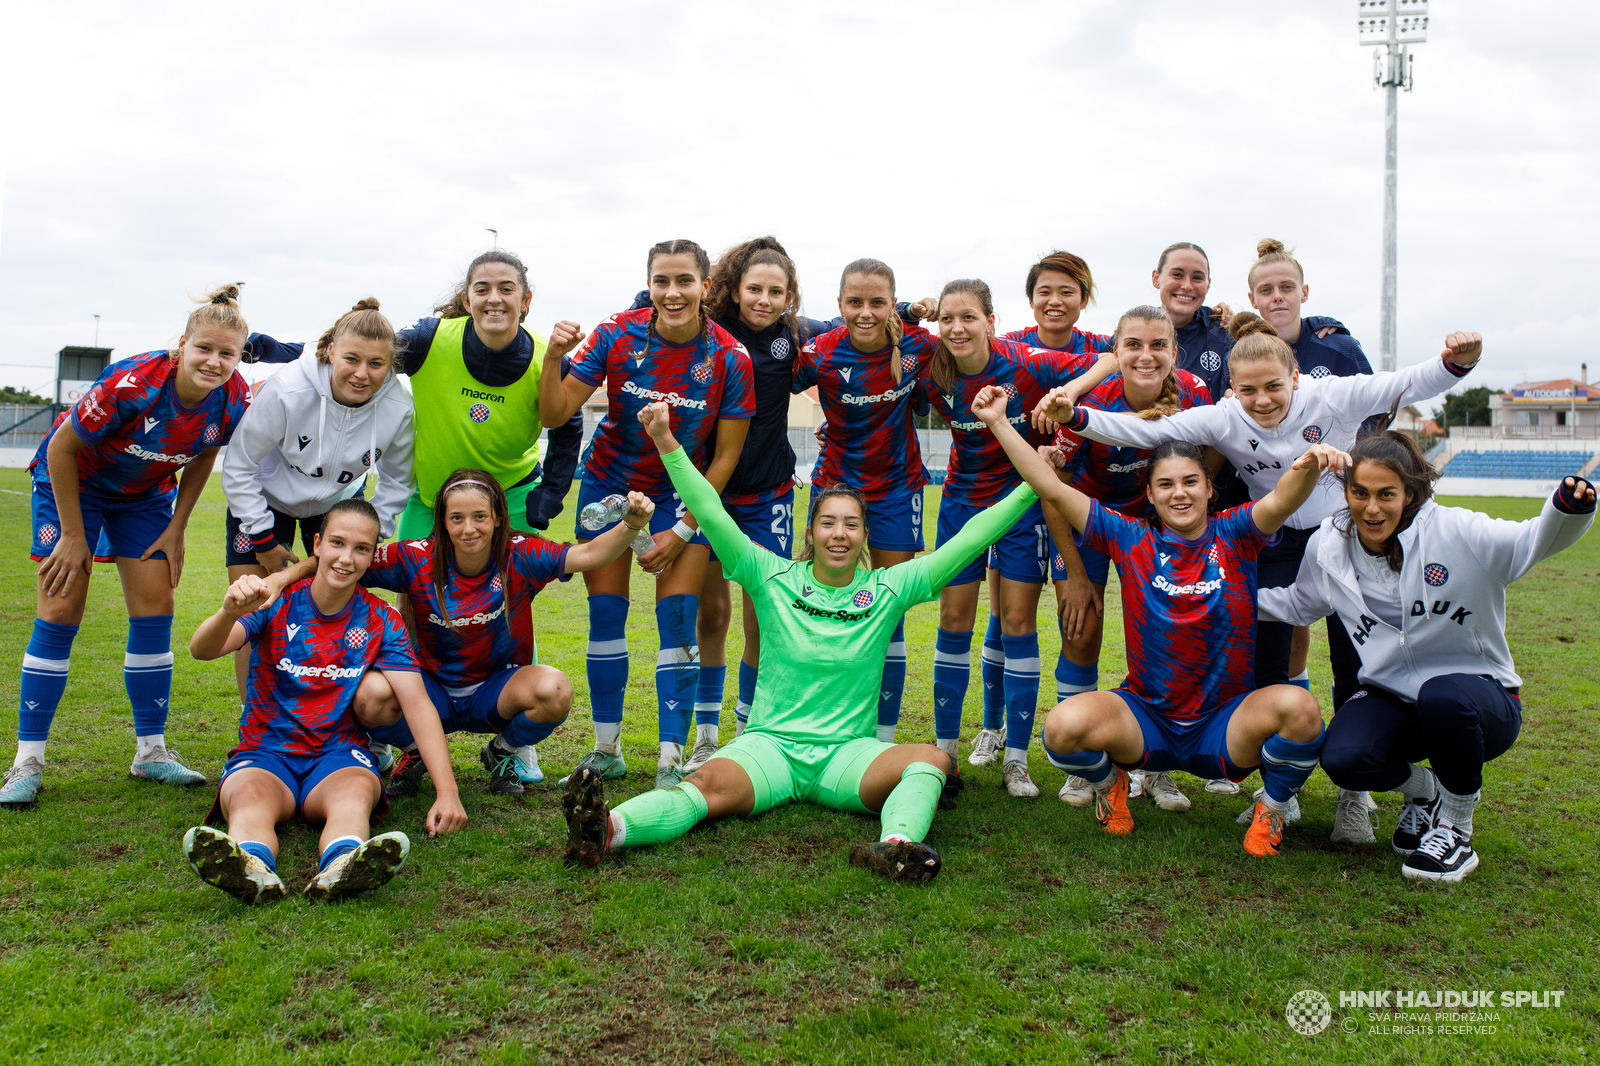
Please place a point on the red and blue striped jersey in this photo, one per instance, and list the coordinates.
(1082, 340)
(699, 391)
(871, 441)
(493, 620)
(1188, 607)
(139, 436)
(305, 667)
(979, 472)
(1117, 476)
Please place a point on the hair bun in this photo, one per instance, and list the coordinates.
(1268, 246)
(368, 304)
(224, 294)
(1244, 324)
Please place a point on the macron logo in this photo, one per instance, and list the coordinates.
(304, 440)
(1254, 444)
(151, 423)
(127, 380)
(293, 629)
(844, 372)
(1165, 558)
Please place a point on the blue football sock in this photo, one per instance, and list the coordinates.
(677, 666)
(708, 695)
(1021, 691)
(747, 690)
(607, 657)
(522, 731)
(894, 677)
(1072, 679)
(1303, 679)
(952, 670)
(1094, 767)
(147, 672)
(994, 676)
(1286, 764)
(260, 851)
(44, 678)
(342, 846)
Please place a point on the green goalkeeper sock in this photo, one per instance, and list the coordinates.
(661, 814)
(908, 812)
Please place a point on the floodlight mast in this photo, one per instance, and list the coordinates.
(1391, 24)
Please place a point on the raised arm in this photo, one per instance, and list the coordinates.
(1294, 487)
(982, 530)
(1084, 383)
(990, 407)
(697, 493)
(1369, 394)
(1510, 549)
(560, 397)
(604, 549)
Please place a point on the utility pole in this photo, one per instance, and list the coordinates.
(97, 331)
(1391, 24)
(496, 233)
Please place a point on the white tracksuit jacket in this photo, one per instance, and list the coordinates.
(1453, 577)
(300, 451)
(1322, 411)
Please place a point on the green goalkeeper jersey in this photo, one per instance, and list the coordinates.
(822, 648)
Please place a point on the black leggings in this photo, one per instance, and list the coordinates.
(1276, 567)
(1459, 722)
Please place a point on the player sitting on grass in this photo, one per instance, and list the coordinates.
(470, 586)
(300, 750)
(1188, 612)
(825, 626)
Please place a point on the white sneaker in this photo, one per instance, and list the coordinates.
(1291, 813)
(367, 867)
(1221, 786)
(1018, 783)
(1352, 820)
(704, 748)
(1135, 784)
(987, 747)
(1160, 787)
(1076, 792)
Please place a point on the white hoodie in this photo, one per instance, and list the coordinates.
(299, 451)
(1321, 411)
(1453, 575)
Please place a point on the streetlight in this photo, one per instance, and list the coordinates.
(1391, 24)
(97, 331)
(496, 233)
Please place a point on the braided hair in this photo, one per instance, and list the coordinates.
(1167, 402)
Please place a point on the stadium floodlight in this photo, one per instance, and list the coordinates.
(1391, 25)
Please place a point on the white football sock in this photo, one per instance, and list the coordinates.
(27, 749)
(147, 745)
(671, 755)
(608, 737)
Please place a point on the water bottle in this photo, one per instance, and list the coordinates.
(611, 509)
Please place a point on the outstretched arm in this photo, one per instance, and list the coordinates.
(990, 407)
(982, 530)
(697, 493)
(604, 549)
(1197, 425)
(1294, 487)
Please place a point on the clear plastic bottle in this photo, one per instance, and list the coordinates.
(611, 509)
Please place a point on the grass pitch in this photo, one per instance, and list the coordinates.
(1043, 940)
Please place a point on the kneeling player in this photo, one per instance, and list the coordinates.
(1188, 608)
(300, 750)
(825, 626)
(470, 586)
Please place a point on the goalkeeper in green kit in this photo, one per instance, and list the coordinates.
(825, 625)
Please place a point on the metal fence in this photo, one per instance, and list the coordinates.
(23, 425)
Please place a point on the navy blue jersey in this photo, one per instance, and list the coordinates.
(1338, 355)
(1203, 347)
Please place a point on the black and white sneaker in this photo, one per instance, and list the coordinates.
(1416, 818)
(1443, 855)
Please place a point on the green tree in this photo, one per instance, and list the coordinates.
(8, 394)
(1469, 407)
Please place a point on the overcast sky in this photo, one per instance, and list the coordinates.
(323, 153)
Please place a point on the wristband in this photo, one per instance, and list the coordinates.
(1566, 500)
(684, 531)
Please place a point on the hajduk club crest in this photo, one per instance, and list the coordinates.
(479, 412)
(1435, 574)
(864, 598)
(1312, 434)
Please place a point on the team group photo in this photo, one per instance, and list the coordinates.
(791, 599)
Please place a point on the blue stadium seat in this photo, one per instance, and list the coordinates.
(1528, 466)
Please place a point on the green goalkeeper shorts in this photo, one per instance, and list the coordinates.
(783, 771)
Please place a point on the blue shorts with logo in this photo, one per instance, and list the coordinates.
(477, 711)
(299, 773)
(1096, 562)
(1022, 553)
(129, 526)
(769, 523)
(669, 508)
(1198, 746)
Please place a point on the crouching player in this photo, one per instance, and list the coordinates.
(470, 586)
(1188, 608)
(825, 626)
(300, 750)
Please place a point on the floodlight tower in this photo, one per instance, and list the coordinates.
(1392, 24)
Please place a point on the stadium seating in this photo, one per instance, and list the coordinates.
(1530, 466)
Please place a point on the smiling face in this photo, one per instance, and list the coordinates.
(1179, 491)
(206, 359)
(1057, 301)
(469, 519)
(676, 289)
(496, 299)
(1377, 498)
(1264, 388)
(866, 301)
(344, 550)
(965, 328)
(1183, 283)
(359, 366)
(1145, 355)
(1276, 292)
(764, 295)
(838, 535)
